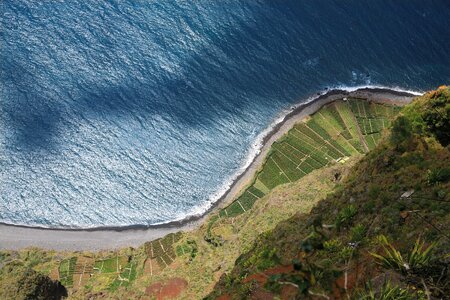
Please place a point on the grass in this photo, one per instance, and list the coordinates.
(110, 265)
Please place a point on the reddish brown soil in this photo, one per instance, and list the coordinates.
(289, 292)
(152, 267)
(54, 274)
(168, 289)
(261, 278)
(262, 295)
(279, 270)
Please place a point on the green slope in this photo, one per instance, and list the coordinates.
(271, 218)
(384, 231)
(337, 131)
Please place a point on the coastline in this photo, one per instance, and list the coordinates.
(14, 237)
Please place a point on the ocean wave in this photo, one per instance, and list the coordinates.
(114, 119)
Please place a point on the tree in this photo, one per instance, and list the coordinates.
(34, 285)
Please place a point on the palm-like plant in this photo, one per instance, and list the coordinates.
(386, 292)
(392, 258)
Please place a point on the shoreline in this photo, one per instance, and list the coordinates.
(15, 237)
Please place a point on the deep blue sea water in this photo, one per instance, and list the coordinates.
(139, 112)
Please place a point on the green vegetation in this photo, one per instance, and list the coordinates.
(430, 115)
(342, 208)
(66, 269)
(335, 132)
(399, 192)
(162, 250)
(126, 276)
(19, 282)
(189, 248)
(110, 265)
(388, 291)
(393, 259)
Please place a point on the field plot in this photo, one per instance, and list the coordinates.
(115, 271)
(110, 265)
(338, 130)
(125, 277)
(66, 269)
(162, 250)
(372, 118)
(84, 268)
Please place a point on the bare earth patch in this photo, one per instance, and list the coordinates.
(169, 289)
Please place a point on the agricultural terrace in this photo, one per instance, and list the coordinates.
(161, 253)
(118, 270)
(114, 271)
(331, 135)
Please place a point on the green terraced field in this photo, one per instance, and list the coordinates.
(126, 276)
(66, 270)
(338, 130)
(163, 249)
(110, 265)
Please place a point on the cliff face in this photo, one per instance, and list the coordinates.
(349, 203)
(383, 231)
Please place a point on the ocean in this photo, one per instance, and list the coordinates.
(117, 113)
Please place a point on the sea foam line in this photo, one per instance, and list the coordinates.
(252, 153)
(257, 146)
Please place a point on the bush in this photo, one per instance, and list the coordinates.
(438, 175)
(430, 114)
(358, 233)
(401, 132)
(346, 253)
(437, 116)
(345, 216)
(332, 245)
(392, 258)
(33, 285)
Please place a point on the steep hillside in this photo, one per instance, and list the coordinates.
(337, 131)
(383, 232)
(315, 160)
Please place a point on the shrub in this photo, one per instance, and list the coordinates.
(345, 216)
(374, 191)
(34, 285)
(263, 259)
(430, 114)
(369, 206)
(438, 175)
(393, 259)
(437, 116)
(346, 253)
(358, 233)
(401, 132)
(332, 245)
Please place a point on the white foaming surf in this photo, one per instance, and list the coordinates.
(257, 146)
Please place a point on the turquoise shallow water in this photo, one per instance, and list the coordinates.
(136, 112)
